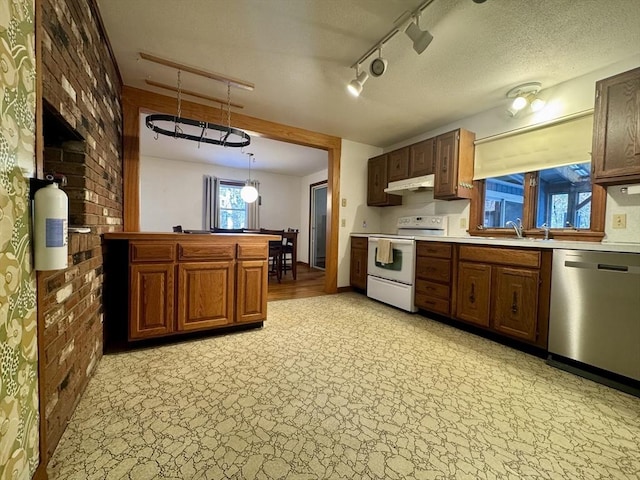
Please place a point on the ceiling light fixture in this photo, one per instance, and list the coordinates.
(408, 23)
(355, 86)
(525, 95)
(249, 193)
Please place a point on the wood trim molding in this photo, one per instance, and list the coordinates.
(135, 101)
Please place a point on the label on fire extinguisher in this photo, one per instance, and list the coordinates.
(55, 232)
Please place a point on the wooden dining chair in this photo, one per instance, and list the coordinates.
(275, 259)
(287, 253)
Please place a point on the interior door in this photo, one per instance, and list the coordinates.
(318, 222)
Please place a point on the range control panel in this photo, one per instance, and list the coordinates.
(435, 222)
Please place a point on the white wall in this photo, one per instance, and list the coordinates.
(171, 193)
(573, 96)
(356, 215)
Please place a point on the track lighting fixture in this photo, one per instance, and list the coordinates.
(407, 23)
(355, 86)
(525, 95)
(420, 38)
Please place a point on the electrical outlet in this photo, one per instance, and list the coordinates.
(344, 202)
(364, 224)
(619, 220)
(343, 222)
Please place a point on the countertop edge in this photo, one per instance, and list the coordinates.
(525, 243)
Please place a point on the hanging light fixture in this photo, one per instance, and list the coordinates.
(249, 193)
(224, 135)
(525, 95)
(355, 86)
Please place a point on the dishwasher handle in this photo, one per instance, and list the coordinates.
(603, 267)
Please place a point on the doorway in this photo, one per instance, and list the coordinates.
(318, 224)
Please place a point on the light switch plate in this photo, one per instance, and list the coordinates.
(344, 202)
(619, 220)
(343, 222)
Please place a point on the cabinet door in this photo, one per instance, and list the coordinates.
(205, 294)
(358, 270)
(398, 164)
(251, 300)
(422, 160)
(616, 129)
(446, 181)
(377, 181)
(151, 300)
(515, 297)
(474, 289)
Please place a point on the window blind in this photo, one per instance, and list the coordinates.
(562, 143)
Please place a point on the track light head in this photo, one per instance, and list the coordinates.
(421, 39)
(525, 95)
(355, 86)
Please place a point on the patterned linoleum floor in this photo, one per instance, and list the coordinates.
(343, 387)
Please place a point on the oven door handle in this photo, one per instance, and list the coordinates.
(399, 241)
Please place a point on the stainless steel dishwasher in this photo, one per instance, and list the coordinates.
(595, 310)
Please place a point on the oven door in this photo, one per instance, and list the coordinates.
(402, 268)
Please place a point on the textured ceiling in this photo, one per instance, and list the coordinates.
(299, 52)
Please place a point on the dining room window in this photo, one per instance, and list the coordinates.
(233, 211)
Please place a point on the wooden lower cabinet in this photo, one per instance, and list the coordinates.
(433, 277)
(505, 290)
(177, 283)
(474, 288)
(151, 310)
(251, 298)
(515, 308)
(205, 295)
(359, 259)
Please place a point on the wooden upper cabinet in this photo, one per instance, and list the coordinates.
(422, 159)
(616, 130)
(454, 165)
(398, 164)
(377, 181)
(151, 288)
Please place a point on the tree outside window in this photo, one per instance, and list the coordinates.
(233, 209)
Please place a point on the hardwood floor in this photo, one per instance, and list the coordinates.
(310, 283)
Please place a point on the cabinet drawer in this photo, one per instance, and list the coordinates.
(359, 242)
(194, 251)
(436, 269)
(502, 256)
(432, 304)
(432, 289)
(255, 251)
(431, 249)
(140, 252)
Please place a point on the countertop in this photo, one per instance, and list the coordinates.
(191, 237)
(525, 243)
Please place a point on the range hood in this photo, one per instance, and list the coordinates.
(410, 185)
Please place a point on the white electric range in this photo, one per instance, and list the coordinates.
(393, 283)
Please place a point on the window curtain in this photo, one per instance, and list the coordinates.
(253, 209)
(210, 205)
(561, 143)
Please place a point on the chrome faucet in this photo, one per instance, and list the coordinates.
(545, 228)
(517, 227)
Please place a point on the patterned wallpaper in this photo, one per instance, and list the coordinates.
(19, 455)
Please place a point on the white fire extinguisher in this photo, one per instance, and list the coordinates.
(51, 208)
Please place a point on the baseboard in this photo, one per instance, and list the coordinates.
(345, 289)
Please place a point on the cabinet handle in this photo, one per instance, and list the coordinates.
(472, 297)
(514, 305)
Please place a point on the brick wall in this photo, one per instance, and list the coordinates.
(81, 83)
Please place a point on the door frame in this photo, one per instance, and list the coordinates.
(136, 101)
(311, 188)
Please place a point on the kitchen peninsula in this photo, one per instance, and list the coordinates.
(166, 284)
